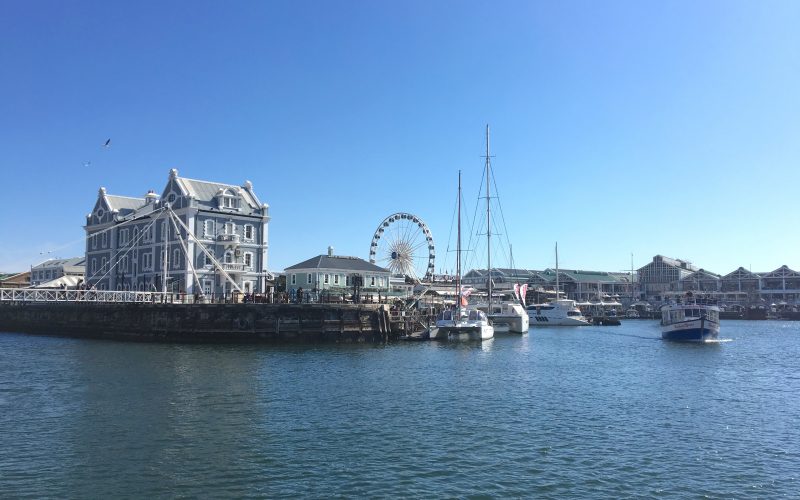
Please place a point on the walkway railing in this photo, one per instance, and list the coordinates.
(47, 295)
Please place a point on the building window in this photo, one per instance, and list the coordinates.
(103, 264)
(372, 281)
(248, 232)
(148, 234)
(327, 277)
(147, 261)
(105, 240)
(228, 257)
(94, 241)
(248, 260)
(227, 199)
(230, 228)
(347, 280)
(335, 279)
(164, 231)
(308, 279)
(208, 258)
(208, 228)
(135, 234)
(294, 279)
(176, 258)
(123, 237)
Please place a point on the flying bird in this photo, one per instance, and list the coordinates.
(107, 143)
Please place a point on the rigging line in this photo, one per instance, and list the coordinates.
(133, 243)
(189, 259)
(130, 221)
(141, 235)
(499, 204)
(111, 268)
(209, 255)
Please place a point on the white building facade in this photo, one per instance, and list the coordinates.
(197, 237)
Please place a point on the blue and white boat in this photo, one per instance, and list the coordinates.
(693, 320)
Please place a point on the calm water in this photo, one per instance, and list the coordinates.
(588, 412)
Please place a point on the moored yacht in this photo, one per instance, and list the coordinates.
(462, 324)
(508, 316)
(560, 312)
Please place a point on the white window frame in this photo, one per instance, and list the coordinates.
(228, 258)
(294, 279)
(135, 234)
(308, 279)
(105, 240)
(103, 263)
(208, 228)
(207, 260)
(372, 281)
(94, 266)
(248, 260)
(176, 258)
(327, 278)
(230, 227)
(123, 237)
(248, 228)
(93, 237)
(335, 279)
(147, 261)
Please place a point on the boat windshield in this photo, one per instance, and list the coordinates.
(573, 313)
(446, 315)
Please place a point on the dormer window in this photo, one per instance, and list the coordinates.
(171, 198)
(227, 199)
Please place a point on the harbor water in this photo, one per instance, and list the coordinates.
(591, 412)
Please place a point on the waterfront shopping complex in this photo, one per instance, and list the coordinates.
(211, 239)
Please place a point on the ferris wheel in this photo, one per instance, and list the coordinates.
(403, 244)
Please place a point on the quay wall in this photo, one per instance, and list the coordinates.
(200, 322)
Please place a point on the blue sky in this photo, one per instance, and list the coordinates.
(617, 127)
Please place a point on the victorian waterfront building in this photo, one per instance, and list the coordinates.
(196, 237)
(338, 274)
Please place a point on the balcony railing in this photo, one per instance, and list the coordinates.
(229, 238)
(233, 267)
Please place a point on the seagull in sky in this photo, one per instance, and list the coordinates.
(107, 143)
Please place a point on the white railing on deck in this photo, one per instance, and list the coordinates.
(46, 295)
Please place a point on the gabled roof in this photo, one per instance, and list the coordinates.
(741, 274)
(339, 263)
(701, 274)
(122, 203)
(782, 272)
(73, 262)
(207, 191)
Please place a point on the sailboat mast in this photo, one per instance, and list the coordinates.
(557, 294)
(458, 250)
(488, 221)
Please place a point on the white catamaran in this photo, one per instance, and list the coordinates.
(462, 322)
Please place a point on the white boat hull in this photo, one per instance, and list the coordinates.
(548, 321)
(462, 332)
(510, 323)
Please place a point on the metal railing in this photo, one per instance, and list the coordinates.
(61, 295)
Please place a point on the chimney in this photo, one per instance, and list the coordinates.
(330, 251)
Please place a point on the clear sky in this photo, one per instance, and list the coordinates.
(618, 127)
